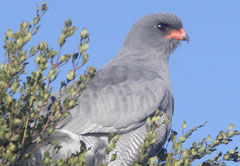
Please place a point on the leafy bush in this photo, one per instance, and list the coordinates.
(24, 95)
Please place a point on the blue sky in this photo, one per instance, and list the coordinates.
(205, 72)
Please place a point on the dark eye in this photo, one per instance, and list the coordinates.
(162, 26)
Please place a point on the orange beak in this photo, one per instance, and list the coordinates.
(178, 35)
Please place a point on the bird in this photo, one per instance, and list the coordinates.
(122, 95)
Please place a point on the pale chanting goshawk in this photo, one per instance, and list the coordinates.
(123, 93)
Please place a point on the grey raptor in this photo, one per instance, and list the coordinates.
(124, 92)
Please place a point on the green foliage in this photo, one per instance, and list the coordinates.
(110, 154)
(150, 139)
(76, 159)
(24, 95)
(178, 156)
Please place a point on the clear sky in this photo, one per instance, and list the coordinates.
(205, 72)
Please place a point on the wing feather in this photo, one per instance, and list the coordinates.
(118, 99)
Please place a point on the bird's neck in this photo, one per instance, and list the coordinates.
(144, 55)
(149, 60)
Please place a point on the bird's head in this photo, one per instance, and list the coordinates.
(157, 32)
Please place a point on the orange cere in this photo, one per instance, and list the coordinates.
(176, 34)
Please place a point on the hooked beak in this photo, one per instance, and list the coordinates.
(178, 35)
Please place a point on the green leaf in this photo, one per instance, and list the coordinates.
(114, 157)
(184, 125)
(110, 137)
(38, 140)
(230, 134)
(71, 75)
(208, 138)
(16, 121)
(61, 40)
(14, 138)
(50, 130)
(44, 6)
(3, 84)
(62, 58)
(57, 115)
(84, 33)
(51, 74)
(27, 37)
(82, 48)
(8, 99)
(92, 71)
(182, 139)
(68, 23)
(12, 147)
(73, 91)
(152, 160)
(19, 43)
(230, 127)
(71, 104)
(9, 33)
(110, 147)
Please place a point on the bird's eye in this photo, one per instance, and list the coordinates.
(162, 26)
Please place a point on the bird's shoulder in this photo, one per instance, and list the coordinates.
(117, 74)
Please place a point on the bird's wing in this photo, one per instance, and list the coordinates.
(118, 99)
